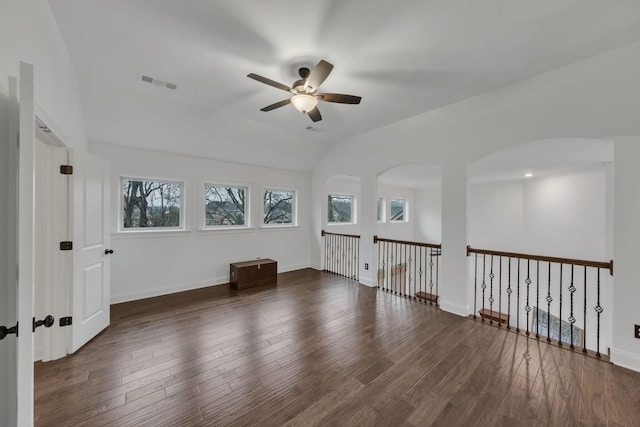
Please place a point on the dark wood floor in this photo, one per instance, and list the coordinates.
(320, 350)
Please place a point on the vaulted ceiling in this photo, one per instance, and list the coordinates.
(404, 58)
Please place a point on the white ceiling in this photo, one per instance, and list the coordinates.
(404, 58)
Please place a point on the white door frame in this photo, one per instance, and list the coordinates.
(26, 224)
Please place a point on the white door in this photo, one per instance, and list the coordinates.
(91, 246)
(17, 265)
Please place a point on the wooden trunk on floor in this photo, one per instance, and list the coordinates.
(249, 274)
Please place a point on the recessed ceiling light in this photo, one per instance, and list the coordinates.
(528, 175)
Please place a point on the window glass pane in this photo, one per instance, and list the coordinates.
(224, 205)
(340, 208)
(153, 204)
(397, 210)
(278, 206)
(380, 205)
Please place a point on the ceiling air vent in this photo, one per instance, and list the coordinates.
(157, 82)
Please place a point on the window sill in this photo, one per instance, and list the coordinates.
(137, 234)
(230, 230)
(278, 227)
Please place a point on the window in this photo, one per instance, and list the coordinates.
(380, 209)
(398, 207)
(151, 204)
(225, 206)
(278, 207)
(340, 209)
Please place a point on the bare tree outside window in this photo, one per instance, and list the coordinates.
(151, 204)
(278, 207)
(224, 205)
(340, 209)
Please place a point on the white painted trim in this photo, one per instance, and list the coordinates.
(625, 359)
(187, 286)
(460, 310)
(367, 282)
(316, 266)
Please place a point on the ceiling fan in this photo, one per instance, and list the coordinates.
(305, 96)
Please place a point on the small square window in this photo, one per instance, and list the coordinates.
(225, 206)
(340, 209)
(398, 210)
(151, 204)
(279, 207)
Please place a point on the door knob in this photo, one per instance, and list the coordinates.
(108, 251)
(4, 331)
(47, 322)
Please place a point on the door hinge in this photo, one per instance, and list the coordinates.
(66, 246)
(66, 169)
(66, 321)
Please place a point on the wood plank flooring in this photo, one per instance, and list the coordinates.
(319, 350)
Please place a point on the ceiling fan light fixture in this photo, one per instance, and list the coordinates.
(304, 102)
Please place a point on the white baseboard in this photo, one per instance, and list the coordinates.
(156, 292)
(316, 266)
(367, 281)
(37, 353)
(188, 286)
(625, 359)
(460, 310)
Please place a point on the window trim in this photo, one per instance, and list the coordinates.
(294, 207)
(183, 205)
(203, 216)
(354, 215)
(405, 210)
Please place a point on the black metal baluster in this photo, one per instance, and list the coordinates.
(509, 291)
(599, 311)
(415, 269)
(560, 316)
(584, 342)
(358, 256)
(518, 298)
(484, 284)
(423, 272)
(549, 299)
(500, 293)
(475, 286)
(527, 308)
(430, 296)
(378, 266)
(491, 300)
(572, 319)
(407, 271)
(537, 299)
(438, 254)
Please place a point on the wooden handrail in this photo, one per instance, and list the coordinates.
(324, 233)
(377, 239)
(586, 263)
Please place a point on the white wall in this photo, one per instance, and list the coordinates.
(626, 351)
(428, 214)
(561, 215)
(159, 263)
(29, 33)
(398, 230)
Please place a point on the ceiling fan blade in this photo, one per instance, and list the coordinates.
(269, 82)
(276, 105)
(318, 75)
(315, 115)
(339, 97)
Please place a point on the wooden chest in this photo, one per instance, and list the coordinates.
(247, 274)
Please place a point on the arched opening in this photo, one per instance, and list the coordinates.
(408, 231)
(528, 205)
